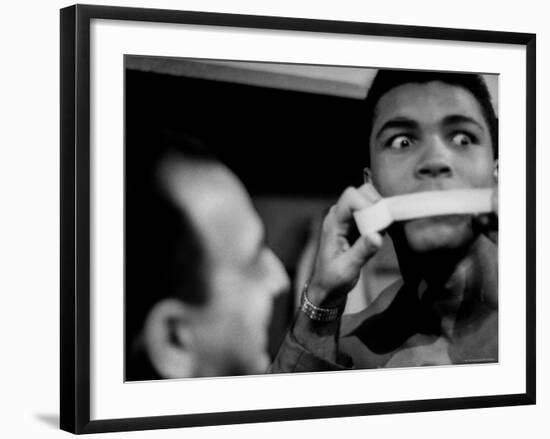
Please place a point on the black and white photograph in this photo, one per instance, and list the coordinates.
(275, 219)
(286, 218)
(269, 219)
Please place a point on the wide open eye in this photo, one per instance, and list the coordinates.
(462, 139)
(399, 142)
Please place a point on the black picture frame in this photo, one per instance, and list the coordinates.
(75, 217)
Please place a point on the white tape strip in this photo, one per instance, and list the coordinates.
(422, 204)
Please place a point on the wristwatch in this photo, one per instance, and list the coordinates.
(317, 313)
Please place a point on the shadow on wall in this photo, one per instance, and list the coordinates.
(51, 420)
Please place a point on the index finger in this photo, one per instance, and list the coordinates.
(353, 199)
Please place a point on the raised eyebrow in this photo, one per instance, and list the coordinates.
(454, 119)
(397, 122)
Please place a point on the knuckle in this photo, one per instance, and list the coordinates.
(348, 193)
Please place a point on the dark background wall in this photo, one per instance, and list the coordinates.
(278, 142)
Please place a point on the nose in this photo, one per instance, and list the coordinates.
(435, 161)
(280, 281)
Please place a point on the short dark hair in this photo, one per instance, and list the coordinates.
(164, 256)
(386, 80)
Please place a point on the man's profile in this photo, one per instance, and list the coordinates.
(200, 281)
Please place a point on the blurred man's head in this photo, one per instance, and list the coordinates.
(431, 131)
(199, 272)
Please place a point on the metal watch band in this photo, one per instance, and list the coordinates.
(317, 313)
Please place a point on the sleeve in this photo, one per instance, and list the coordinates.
(293, 357)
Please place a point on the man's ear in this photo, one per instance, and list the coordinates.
(495, 170)
(168, 339)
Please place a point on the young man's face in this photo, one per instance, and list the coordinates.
(431, 136)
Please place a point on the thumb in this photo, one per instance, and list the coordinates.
(362, 250)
